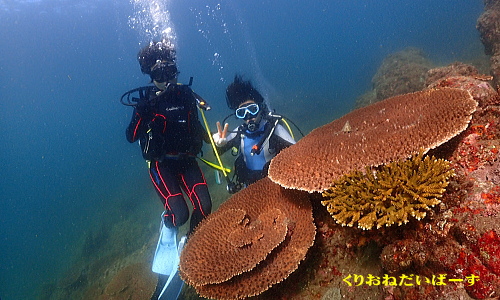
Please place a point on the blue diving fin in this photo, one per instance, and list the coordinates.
(166, 255)
(174, 284)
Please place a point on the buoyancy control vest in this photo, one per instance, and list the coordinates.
(174, 127)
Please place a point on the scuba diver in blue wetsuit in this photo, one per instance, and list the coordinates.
(257, 140)
(165, 121)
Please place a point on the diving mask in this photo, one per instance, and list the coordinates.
(163, 71)
(247, 111)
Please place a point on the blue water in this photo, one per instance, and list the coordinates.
(65, 164)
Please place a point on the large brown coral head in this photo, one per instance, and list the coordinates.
(386, 131)
(390, 195)
(255, 239)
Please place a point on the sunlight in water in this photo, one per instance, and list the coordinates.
(152, 19)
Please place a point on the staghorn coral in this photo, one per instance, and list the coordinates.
(256, 239)
(393, 194)
(389, 130)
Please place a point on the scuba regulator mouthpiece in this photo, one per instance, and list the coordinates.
(252, 126)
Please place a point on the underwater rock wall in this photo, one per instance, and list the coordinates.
(488, 26)
(400, 73)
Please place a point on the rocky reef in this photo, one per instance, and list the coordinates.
(488, 26)
(400, 73)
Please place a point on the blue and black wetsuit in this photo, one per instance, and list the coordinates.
(271, 136)
(171, 135)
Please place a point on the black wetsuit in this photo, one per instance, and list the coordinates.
(171, 135)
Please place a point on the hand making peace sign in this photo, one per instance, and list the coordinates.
(220, 136)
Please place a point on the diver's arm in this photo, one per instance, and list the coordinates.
(229, 141)
(137, 124)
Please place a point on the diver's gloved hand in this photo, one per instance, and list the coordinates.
(219, 141)
(220, 137)
(143, 108)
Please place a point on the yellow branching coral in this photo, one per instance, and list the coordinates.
(389, 195)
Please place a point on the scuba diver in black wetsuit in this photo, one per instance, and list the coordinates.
(165, 121)
(258, 139)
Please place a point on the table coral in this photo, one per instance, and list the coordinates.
(256, 239)
(389, 130)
